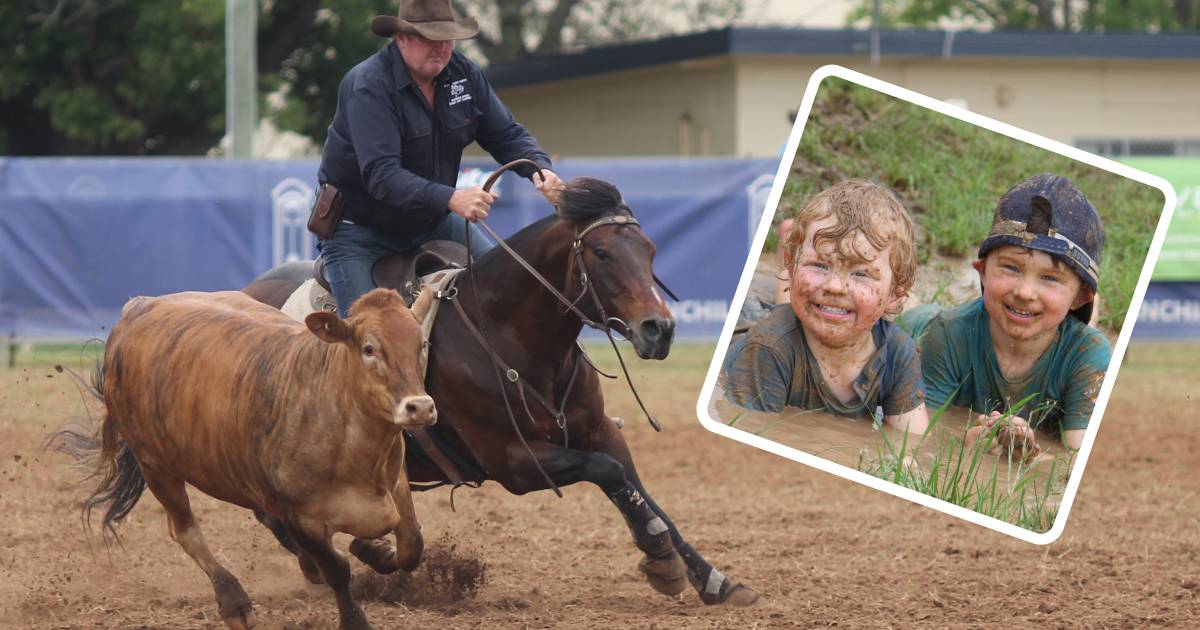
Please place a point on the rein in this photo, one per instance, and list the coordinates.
(510, 374)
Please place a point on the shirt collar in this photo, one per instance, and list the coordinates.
(400, 72)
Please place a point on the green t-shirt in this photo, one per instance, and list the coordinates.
(957, 355)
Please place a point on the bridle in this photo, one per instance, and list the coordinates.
(587, 288)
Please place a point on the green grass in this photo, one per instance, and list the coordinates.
(950, 174)
(78, 356)
(1000, 486)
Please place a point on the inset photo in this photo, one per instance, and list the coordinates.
(936, 304)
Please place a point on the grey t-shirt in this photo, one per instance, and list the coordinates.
(770, 367)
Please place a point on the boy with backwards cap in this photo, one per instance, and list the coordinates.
(1028, 335)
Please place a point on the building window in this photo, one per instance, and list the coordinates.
(1140, 147)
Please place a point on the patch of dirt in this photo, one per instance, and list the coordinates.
(448, 574)
(823, 551)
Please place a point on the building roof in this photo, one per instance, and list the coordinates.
(846, 43)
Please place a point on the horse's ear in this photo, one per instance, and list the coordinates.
(328, 327)
(420, 307)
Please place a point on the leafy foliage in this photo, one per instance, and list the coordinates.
(950, 174)
(1046, 15)
(89, 77)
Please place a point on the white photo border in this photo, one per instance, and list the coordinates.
(720, 428)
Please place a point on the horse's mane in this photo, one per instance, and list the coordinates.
(583, 199)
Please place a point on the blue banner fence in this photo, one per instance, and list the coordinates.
(79, 237)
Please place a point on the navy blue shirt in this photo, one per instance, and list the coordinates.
(395, 159)
(770, 367)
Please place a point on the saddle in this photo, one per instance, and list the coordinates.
(403, 272)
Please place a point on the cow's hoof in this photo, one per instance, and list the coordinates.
(380, 555)
(243, 621)
(666, 575)
(731, 594)
(352, 618)
(232, 601)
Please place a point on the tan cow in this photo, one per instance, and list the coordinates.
(301, 421)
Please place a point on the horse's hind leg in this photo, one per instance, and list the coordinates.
(232, 600)
(611, 467)
(663, 567)
(313, 538)
(713, 586)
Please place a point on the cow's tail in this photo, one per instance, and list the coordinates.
(106, 457)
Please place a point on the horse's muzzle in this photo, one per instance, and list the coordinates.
(652, 337)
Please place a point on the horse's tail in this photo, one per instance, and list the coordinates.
(106, 456)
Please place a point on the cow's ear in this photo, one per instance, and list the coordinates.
(420, 307)
(328, 327)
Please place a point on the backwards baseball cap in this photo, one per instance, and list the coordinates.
(1048, 213)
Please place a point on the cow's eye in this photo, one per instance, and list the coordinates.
(368, 350)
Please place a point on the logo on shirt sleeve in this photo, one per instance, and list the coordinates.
(458, 92)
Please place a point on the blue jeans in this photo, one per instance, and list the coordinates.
(353, 249)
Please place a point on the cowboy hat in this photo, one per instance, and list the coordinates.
(431, 19)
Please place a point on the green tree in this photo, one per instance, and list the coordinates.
(130, 77)
(1047, 15)
(510, 30)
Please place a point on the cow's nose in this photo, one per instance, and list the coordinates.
(415, 411)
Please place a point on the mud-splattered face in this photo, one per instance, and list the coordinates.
(838, 297)
(1027, 293)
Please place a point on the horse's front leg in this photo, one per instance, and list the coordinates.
(653, 532)
(713, 586)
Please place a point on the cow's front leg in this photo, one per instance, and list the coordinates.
(664, 569)
(380, 554)
(307, 565)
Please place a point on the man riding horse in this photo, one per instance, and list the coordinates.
(394, 148)
(404, 116)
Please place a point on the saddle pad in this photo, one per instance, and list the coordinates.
(311, 297)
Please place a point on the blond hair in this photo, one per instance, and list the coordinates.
(859, 207)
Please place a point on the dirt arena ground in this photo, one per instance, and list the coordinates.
(823, 551)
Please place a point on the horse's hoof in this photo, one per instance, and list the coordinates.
(730, 593)
(741, 595)
(665, 575)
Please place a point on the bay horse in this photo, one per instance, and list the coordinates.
(594, 249)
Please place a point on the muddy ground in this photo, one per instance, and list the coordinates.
(824, 552)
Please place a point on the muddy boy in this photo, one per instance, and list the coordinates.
(851, 258)
(1028, 335)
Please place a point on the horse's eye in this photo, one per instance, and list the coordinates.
(368, 350)
(600, 253)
